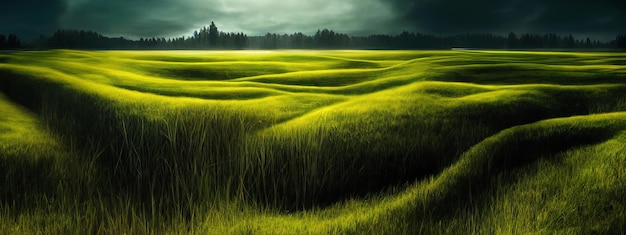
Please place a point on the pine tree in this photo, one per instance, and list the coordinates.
(213, 34)
(512, 41)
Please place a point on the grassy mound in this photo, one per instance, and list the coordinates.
(312, 141)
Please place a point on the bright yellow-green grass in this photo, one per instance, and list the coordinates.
(312, 142)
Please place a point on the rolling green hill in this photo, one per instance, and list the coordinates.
(313, 142)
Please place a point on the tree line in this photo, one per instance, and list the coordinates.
(9, 42)
(212, 38)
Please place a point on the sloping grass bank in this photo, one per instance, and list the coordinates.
(327, 142)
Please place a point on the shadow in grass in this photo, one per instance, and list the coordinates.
(183, 159)
(24, 180)
(327, 79)
(515, 75)
(355, 64)
(616, 62)
(232, 95)
(492, 163)
(199, 73)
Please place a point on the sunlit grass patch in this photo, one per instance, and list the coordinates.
(19, 127)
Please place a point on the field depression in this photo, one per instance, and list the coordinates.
(312, 142)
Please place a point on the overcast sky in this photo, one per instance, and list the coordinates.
(602, 19)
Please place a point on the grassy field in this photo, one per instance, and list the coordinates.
(312, 142)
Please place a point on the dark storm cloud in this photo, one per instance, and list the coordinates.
(149, 18)
(280, 16)
(170, 18)
(133, 18)
(29, 18)
(583, 17)
(591, 17)
(437, 16)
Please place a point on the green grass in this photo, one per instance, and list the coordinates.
(313, 142)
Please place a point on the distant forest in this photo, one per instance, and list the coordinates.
(212, 38)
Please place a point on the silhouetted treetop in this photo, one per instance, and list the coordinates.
(213, 34)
